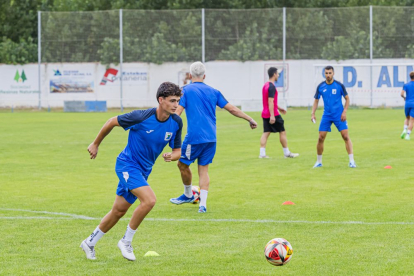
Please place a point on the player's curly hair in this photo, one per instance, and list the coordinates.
(167, 89)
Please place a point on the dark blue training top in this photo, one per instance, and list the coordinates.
(147, 139)
(332, 98)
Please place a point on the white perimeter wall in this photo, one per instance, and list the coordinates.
(240, 82)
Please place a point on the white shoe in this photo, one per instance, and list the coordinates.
(89, 250)
(263, 156)
(126, 250)
(317, 165)
(292, 155)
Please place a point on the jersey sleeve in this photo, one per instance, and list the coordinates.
(128, 120)
(221, 101)
(405, 87)
(344, 92)
(175, 141)
(271, 91)
(317, 94)
(183, 99)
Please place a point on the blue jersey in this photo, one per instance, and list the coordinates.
(200, 101)
(409, 94)
(332, 98)
(147, 139)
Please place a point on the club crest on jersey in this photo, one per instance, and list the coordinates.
(168, 136)
(333, 91)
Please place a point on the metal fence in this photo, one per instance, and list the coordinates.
(125, 36)
(258, 34)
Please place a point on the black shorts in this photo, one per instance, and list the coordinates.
(278, 126)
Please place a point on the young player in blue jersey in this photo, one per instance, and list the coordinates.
(199, 101)
(334, 112)
(149, 132)
(408, 90)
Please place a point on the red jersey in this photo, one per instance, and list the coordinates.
(269, 91)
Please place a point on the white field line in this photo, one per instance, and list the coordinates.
(66, 216)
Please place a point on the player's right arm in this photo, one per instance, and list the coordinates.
(105, 130)
(271, 97)
(315, 103)
(314, 107)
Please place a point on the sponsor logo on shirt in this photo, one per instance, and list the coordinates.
(324, 90)
(333, 91)
(168, 136)
(149, 131)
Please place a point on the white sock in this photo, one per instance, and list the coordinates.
(188, 191)
(405, 127)
(408, 132)
(129, 234)
(95, 237)
(262, 151)
(203, 198)
(319, 159)
(351, 157)
(286, 151)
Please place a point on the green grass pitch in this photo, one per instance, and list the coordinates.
(345, 221)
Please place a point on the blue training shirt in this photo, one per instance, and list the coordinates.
(147, 139)
(332, 98)
(200, 101)
(409, 94)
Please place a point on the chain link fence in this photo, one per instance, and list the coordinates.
(244, 35)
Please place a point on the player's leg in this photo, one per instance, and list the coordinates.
(283, 141)
(410, 124)
(204, 182)
(205, 158)
(319, 148)
(188, 156)
(410, 118)
(406, 122)
(324, 128)
(349, 149)
(263, 142)
(119, 208)
(147, 200)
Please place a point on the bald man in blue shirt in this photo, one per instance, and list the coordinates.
(334, 112)
(199, 101)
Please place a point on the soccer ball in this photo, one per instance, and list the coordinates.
(278, 251)
(196, 193)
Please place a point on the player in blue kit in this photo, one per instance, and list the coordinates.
(408, 90)
(199, 101)
(149, 132)
(334, 112)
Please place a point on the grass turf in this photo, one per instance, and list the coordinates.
(45, 168)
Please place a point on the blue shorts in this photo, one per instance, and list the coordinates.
(327, 122)
(203, 152)
(409, 111)
(128, 181)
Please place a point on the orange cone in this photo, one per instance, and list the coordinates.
(288, 203)
(387, 167)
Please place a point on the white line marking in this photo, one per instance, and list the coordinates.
(74, 216)
(50, 213)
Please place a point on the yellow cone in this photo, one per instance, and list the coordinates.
(151, 254)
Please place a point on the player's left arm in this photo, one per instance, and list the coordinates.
(403, 93)
(235, 111)
(172, 156)
(347, 101)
